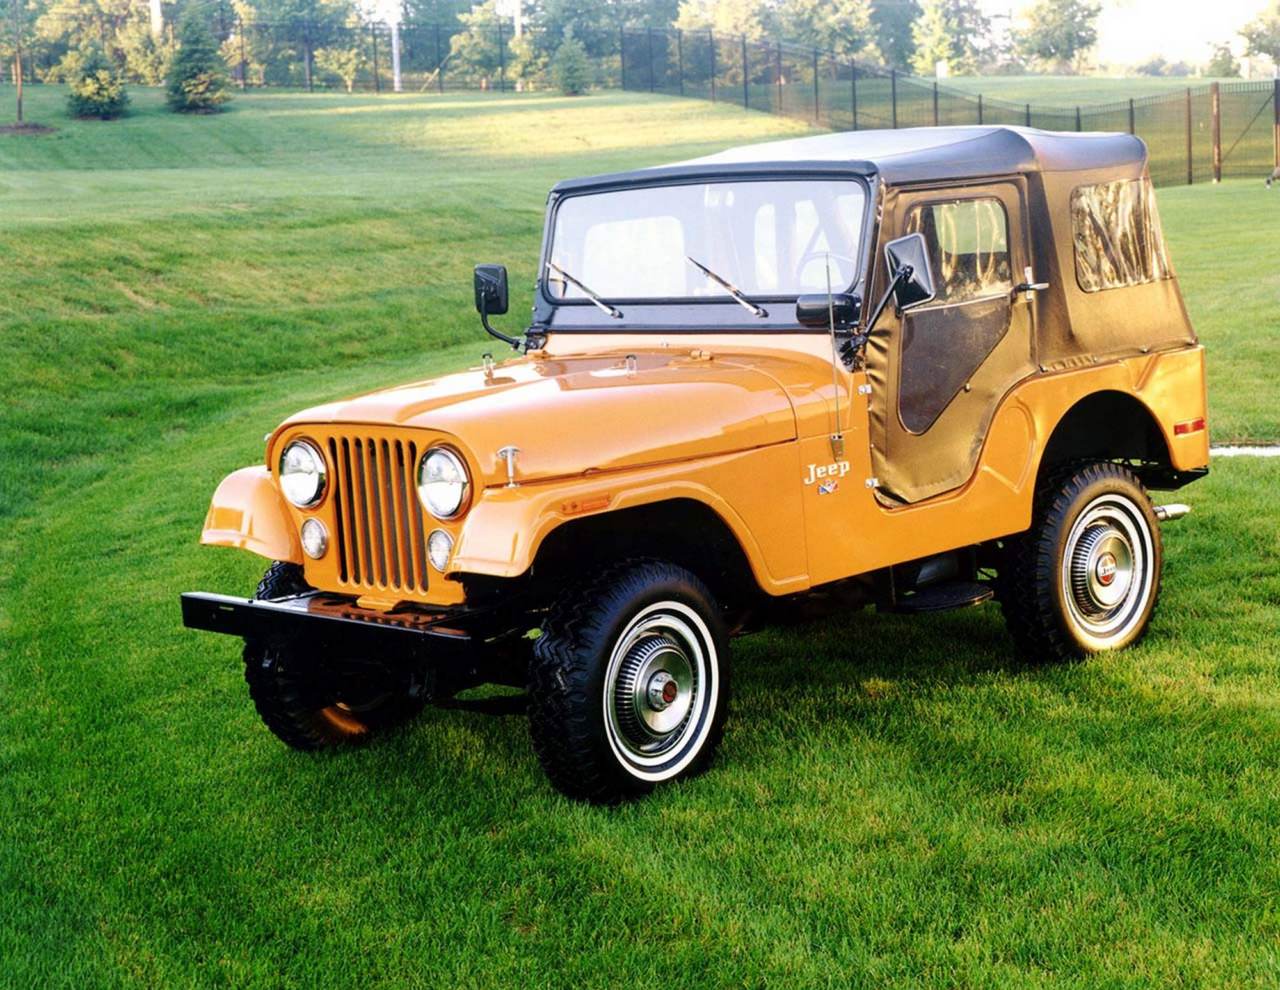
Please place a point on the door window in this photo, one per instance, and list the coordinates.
(968, 243)
(944, 343)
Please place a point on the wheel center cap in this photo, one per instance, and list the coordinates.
(662, 690)
(1106, 569)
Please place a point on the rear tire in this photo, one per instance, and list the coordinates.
(304, 703)
(1086, 576)
(629, 682)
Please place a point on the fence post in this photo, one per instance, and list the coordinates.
(502, 62)
(1132, 128)
(306, 61)
(893, 95)
(1215, 102)
(622, 55)
(853, 91)
(777, 64)
(711, 38)
(244, 62)
(1275, 136)
(649, 48)
(1190, 167)
(373, 36)
(935, 103)
(746, 102)
(1078, 127)
(1028, 111)
(439, 63)
(817, 113)
(979, 108)
(680, 57)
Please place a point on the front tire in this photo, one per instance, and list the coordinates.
(629, 682)
(307, 703)
(1086, 576)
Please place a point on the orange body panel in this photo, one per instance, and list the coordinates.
(739, 422)
(248, 512)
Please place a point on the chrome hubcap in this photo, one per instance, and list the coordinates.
(1101, 569)
(660, 690)
(1107, 569)
(654, 691)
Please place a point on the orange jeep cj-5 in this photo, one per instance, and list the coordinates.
(918, 369)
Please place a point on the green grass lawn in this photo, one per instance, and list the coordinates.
(896, 802)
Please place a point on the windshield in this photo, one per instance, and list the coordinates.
(765, 237)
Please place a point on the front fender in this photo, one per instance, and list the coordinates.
(506, 526)
(248, 513)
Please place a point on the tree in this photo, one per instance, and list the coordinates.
(1155, 66)
(198, 76)
(956, 32)
(840, 26)
(1262, 35)
(298, 29)
(571, 68)
(893, 20)
(1222, 64)
(17, 35)
(345, 63)
(749, 18)
(1058, 32)
(95, 85)
(475, 47)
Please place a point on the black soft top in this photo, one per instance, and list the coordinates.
(917, 154)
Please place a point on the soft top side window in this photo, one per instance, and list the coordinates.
(968, 241)
(1118, 241)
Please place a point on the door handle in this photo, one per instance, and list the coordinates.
(1030, 286)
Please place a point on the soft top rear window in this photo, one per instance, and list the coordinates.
(1118, 241)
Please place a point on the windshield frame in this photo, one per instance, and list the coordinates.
(695, 314)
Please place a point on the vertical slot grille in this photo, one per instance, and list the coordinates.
(381, 538)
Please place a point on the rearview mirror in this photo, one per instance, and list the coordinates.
(908, 257)
(812, 310)
(491, 289)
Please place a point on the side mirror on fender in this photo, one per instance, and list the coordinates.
(816, 309)
(491, 289)
(908, 261)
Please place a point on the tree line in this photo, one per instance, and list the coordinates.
(291, 42)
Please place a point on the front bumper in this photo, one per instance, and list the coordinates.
(338, 627)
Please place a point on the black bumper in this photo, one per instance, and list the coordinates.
(339, 627)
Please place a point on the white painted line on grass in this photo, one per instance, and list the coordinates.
(1247, 451)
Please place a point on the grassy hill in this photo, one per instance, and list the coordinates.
(1072, 91)
(897, 804)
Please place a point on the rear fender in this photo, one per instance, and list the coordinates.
(248, 513)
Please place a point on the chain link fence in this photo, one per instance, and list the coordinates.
(1209, 131)
(1205, 132)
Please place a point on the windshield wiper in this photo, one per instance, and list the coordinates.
(728, 287)
(604, 306)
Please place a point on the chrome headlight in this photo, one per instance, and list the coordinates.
(443, 483)
(302, 473)
(315, 539)
(439, 547)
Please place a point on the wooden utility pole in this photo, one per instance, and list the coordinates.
(1215, 106)
(1275, 112)
(1191, 175)
(397, 84)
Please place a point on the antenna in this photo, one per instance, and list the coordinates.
(837, 438)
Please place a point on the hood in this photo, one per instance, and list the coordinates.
(577, 414)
